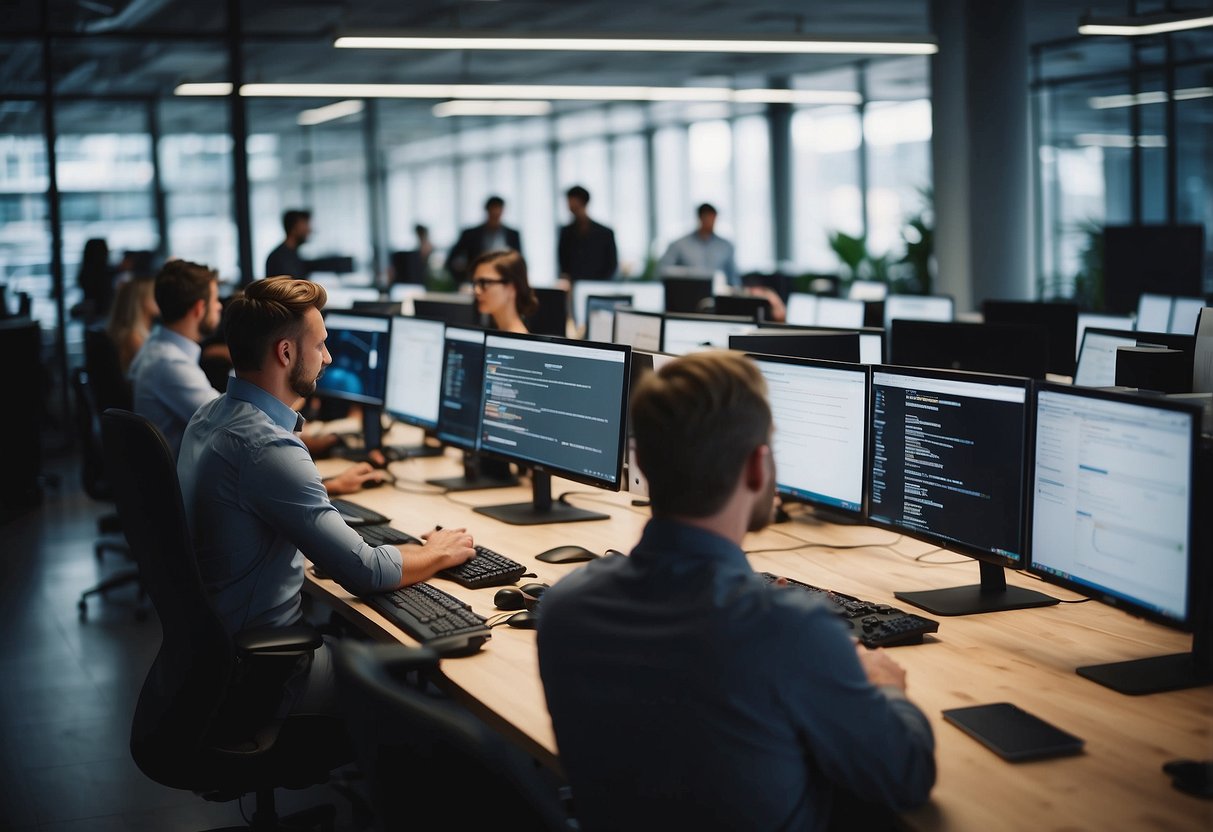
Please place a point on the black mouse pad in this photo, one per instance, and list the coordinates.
(1012, 733)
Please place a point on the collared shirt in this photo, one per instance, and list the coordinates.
(168, 383)
(682, 685)
(255, 506)
(286, 260)
(715, 254)
(589, 254)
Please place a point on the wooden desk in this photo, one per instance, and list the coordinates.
(1025, 656)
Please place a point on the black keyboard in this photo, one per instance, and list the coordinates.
(379, 535)
(435, 618)
(356, 515)
(487, 568)
(875, 625)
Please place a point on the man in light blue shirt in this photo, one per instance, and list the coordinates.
(702, 249)
(169, 384)
(253, 497)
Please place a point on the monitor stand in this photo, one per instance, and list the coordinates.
(1158, 673)
(541, 509)
(398, 452)
(478, 473)
(991, 595)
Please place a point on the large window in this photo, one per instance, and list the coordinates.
(825, 175)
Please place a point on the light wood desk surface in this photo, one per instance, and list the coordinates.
(1024, 656)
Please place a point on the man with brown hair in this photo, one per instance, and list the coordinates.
(169, 385)
(252, 494)
(683, 688)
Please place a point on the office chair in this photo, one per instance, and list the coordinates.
(552, 316)
(108, 388)
(92, 470)
(407, 738)
(205, 720)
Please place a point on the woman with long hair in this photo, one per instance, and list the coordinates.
(131, 318)
(500, 284)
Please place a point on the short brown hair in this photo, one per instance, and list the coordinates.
(268, 310)
(510, 266)
(695, 422)
(180, 285)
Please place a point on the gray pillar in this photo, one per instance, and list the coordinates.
(980, 151)
(779, 127)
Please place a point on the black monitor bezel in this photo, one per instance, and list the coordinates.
(540, 465)
(337, 395)
(439, 433)
(625, 300)
(633, 310)
(958, 546)
(704, 317)
(1063, 364)
(878, 331)
(448, 303)
(1104, 597)
(793, 333)
(862, 512)
(1098, 330)
(401, 416)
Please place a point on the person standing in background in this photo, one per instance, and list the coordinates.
(703, 249)
(285, 259)
(491, 235)
(586, 250)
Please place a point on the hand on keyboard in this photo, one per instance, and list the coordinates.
(880, 669)
(452, 546)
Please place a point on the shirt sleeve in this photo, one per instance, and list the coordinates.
(280, 483)
(872, 741)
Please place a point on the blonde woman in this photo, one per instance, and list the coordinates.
(131, 318)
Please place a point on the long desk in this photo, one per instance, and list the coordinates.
(1025, 656)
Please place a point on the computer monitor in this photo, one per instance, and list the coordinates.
(1086, 320)
(1184, 314)
(639, 330)
(559, 406)
(414, 371)
(871, 338)
(805, 343)
(1154, 313)
(754, 307)
(600, 316)
(379, 307)
(1171, 340)
(837, 312)
(408, 267)
(801, 309)
(453, 308)
(1002, 349)
(918, 308)
(687, 294)
(1058, 320)
(691, 333)
(552, 316)
(459, 404)
(1112, 505)
(1164, 259)
(820, 414)
(1097, 358)
(867, 290)
(358, 344)
(647, 295)
(947, 466)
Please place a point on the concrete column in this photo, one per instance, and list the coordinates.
(981, 151)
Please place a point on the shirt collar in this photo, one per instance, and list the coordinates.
(190, 347)
(279, 413)
(662, 536)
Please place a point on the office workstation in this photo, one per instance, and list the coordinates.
(965, 247)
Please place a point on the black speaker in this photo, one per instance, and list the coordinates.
(1152, 368)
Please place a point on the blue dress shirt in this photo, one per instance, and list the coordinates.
(715, 254)
(169, 384)
(686, 692)
(255, 506)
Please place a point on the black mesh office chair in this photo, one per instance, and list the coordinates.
(408, 739)
(108, 387)
(205, 720)
(97, 486)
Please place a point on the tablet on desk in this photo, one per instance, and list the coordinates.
(1012, 733)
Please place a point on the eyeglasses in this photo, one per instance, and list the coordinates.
(483, 283)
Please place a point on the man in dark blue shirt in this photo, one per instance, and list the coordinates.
(684, 690)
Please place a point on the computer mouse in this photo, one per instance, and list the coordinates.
(509, 598)
(525, 620)
(373, 483)
(566, 554)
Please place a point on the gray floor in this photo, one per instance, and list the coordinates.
(68, 688)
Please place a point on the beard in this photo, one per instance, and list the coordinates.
(301, 383)
(764, 509)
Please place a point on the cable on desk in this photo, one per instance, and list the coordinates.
(590, 495)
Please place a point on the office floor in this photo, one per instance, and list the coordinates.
(68, 689)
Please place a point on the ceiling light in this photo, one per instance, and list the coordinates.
(1111, 102)
(529, 92)
(766, 45)
(216, 88)
(473, 107)
(329, 112)
(1146, 25)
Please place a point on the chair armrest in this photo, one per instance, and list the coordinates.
(295, 640)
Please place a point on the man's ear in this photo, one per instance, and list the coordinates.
(284, 351)
(756, 468)
(198, 310)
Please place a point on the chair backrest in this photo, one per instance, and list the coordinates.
(110, 386)
(187, 681)
(406, 737)
(551, 318)
(88, 433)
